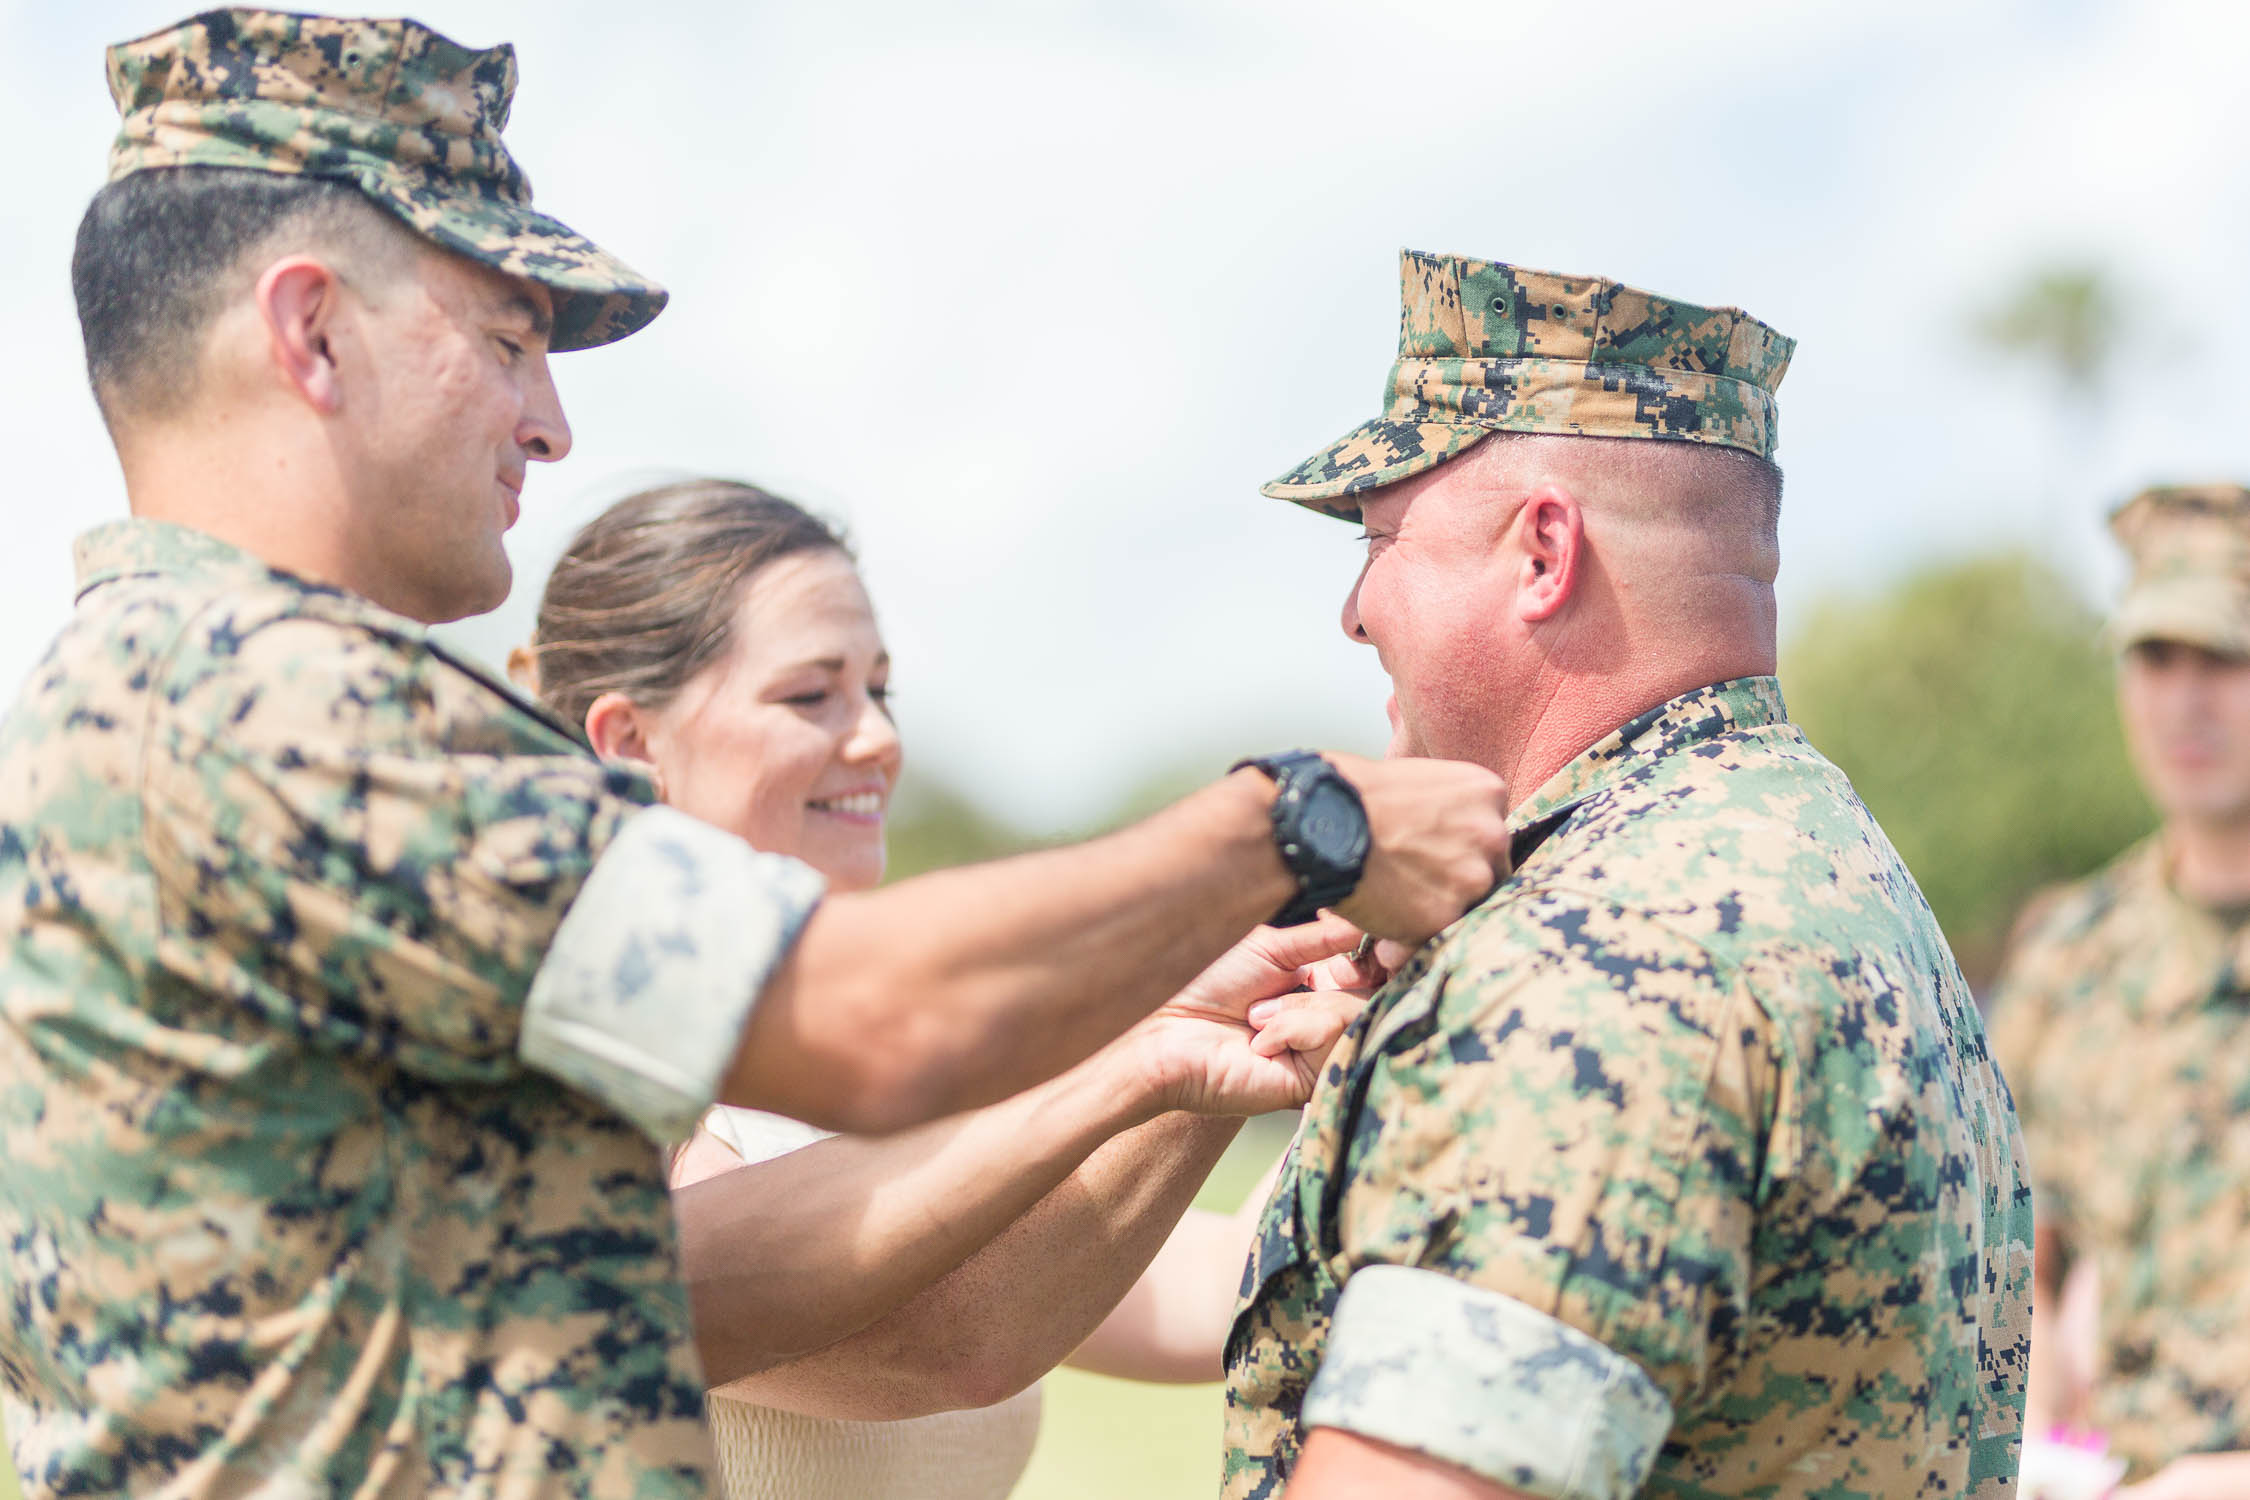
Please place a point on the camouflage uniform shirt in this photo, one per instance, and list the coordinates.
(345, 992)
(1679, 1167)
(2123, 1022)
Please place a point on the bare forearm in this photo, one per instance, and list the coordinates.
(959, 988)
(1339, 1465)
(1015, 1309)
(1172, 1326)
(789, 1255)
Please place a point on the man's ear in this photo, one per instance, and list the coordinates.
(618, 730)
(1551, 533)
(297, 301)
(523, 669)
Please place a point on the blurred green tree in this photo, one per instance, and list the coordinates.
(932, 826)
(1972, 704)
(2065, 318)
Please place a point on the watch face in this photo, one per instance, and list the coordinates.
(1332, 826)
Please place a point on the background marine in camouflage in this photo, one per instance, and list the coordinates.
(1679, 1166)
(2121, 1020)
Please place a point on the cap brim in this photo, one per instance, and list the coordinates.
(2207, 613)
(598, 298)
(1370, 456)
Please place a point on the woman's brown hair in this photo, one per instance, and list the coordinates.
(645, 596)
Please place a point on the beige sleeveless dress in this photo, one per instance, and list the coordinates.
(765, 1454)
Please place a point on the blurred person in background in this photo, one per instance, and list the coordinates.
(1679, 1165)
(723, 639)
(2122, 1020)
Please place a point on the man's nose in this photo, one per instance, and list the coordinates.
(544, 432)
(1351, 621)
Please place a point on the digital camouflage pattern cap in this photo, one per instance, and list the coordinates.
(2190, 547)
(410, 118)
(1485, 347)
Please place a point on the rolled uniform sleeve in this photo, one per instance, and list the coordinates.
(1546, 1212)
(375, 848)
(1423, 1360)
(654, 970)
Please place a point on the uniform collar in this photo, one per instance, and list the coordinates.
(141, 548)
(126, 549)
(1688, 720)
(2214, 957)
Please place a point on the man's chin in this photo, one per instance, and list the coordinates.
(2221, 805)
(1418, 741)
(486, 591)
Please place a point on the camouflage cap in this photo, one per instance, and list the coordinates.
(1485, 347)
(410, 118)
(2190, 547)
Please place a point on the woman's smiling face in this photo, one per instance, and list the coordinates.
(787, 740)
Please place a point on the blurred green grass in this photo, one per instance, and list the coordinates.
(1118, 1439)
(1105, 1439)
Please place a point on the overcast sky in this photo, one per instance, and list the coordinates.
(1034, 295)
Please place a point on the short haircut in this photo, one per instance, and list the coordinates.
(158, 255)
(1757, 479)
(1718, 470)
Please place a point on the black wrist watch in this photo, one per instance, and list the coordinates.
(1320, 827)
